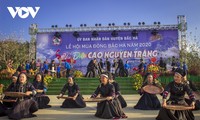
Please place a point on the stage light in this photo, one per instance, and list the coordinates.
(56, 26)
(109, 24)
(52, 26)
(113, 24)
(134, 33)
(70, 25)
(81, 25)
(57, 34)
(114, 33)
(96, 24)
(85, 25)
(143, 23)
(128, 23)
(139, 23)
(76, 34)
(124, 24)
(158, 23)
(66, 25)
(95, 34)
(99, 24)
(154, 32)
(155, 23)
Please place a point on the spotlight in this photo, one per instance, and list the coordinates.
(85, 25)
(99, 24)
(128, 23)
(96, 24)
(76, 34)
(70, 25)
(139, 23)
(81, 25)
(66, 25)
(109, 24)
(143, 23)
(155, 23)
(114, 33)
(56, 26)
(95, 34)
(52, 26)
(134, 33)
(124, 24)
(113, 24)
(158, 23)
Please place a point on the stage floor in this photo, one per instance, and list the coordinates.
(55, 112)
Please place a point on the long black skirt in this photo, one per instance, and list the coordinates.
(24, 109)
(122, 101)
(197, 103)
(42, 101)
(109, 109)
(148, 102)
(166, 114)
(77, 103)
(9, 105)
(2, 110)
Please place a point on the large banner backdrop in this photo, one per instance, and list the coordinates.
(65, 46)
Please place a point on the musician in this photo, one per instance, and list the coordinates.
(148, 101)
(194, 89)
(117, 91)
(11, 88)
(111, 107)
(177, 89)
(75, 98)
(25, 106)
(41, 89)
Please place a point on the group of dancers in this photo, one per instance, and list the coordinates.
(111, 107)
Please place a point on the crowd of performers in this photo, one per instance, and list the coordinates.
(112, 107)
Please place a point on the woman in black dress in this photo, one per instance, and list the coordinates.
(41, 97)
(75, 98)
(177, 89)
(25, 106)
(194, 89)
(148, 101)
(110, 108)
(117, 91)
(2, 107)
(11, 88)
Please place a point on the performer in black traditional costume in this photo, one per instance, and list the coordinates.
(75, 98)
(2, 107)
(194, 89)
(11, 88)
(148, 101)
(111, 107)
(41, 89)
(25, 106)
(177, 89)
(117, 91)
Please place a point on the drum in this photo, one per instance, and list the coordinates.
(152, 89)
(94, 99)
(179, 107)
(15, 94)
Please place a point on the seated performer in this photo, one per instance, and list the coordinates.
(111, 107)
(177, 89)
(117, 91)
(148, 101)
(194, 89)
(2, 107)
(41, 90)
(11, 88)
(75, 98)
(25, 106)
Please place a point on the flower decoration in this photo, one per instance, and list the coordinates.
(138, 80)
